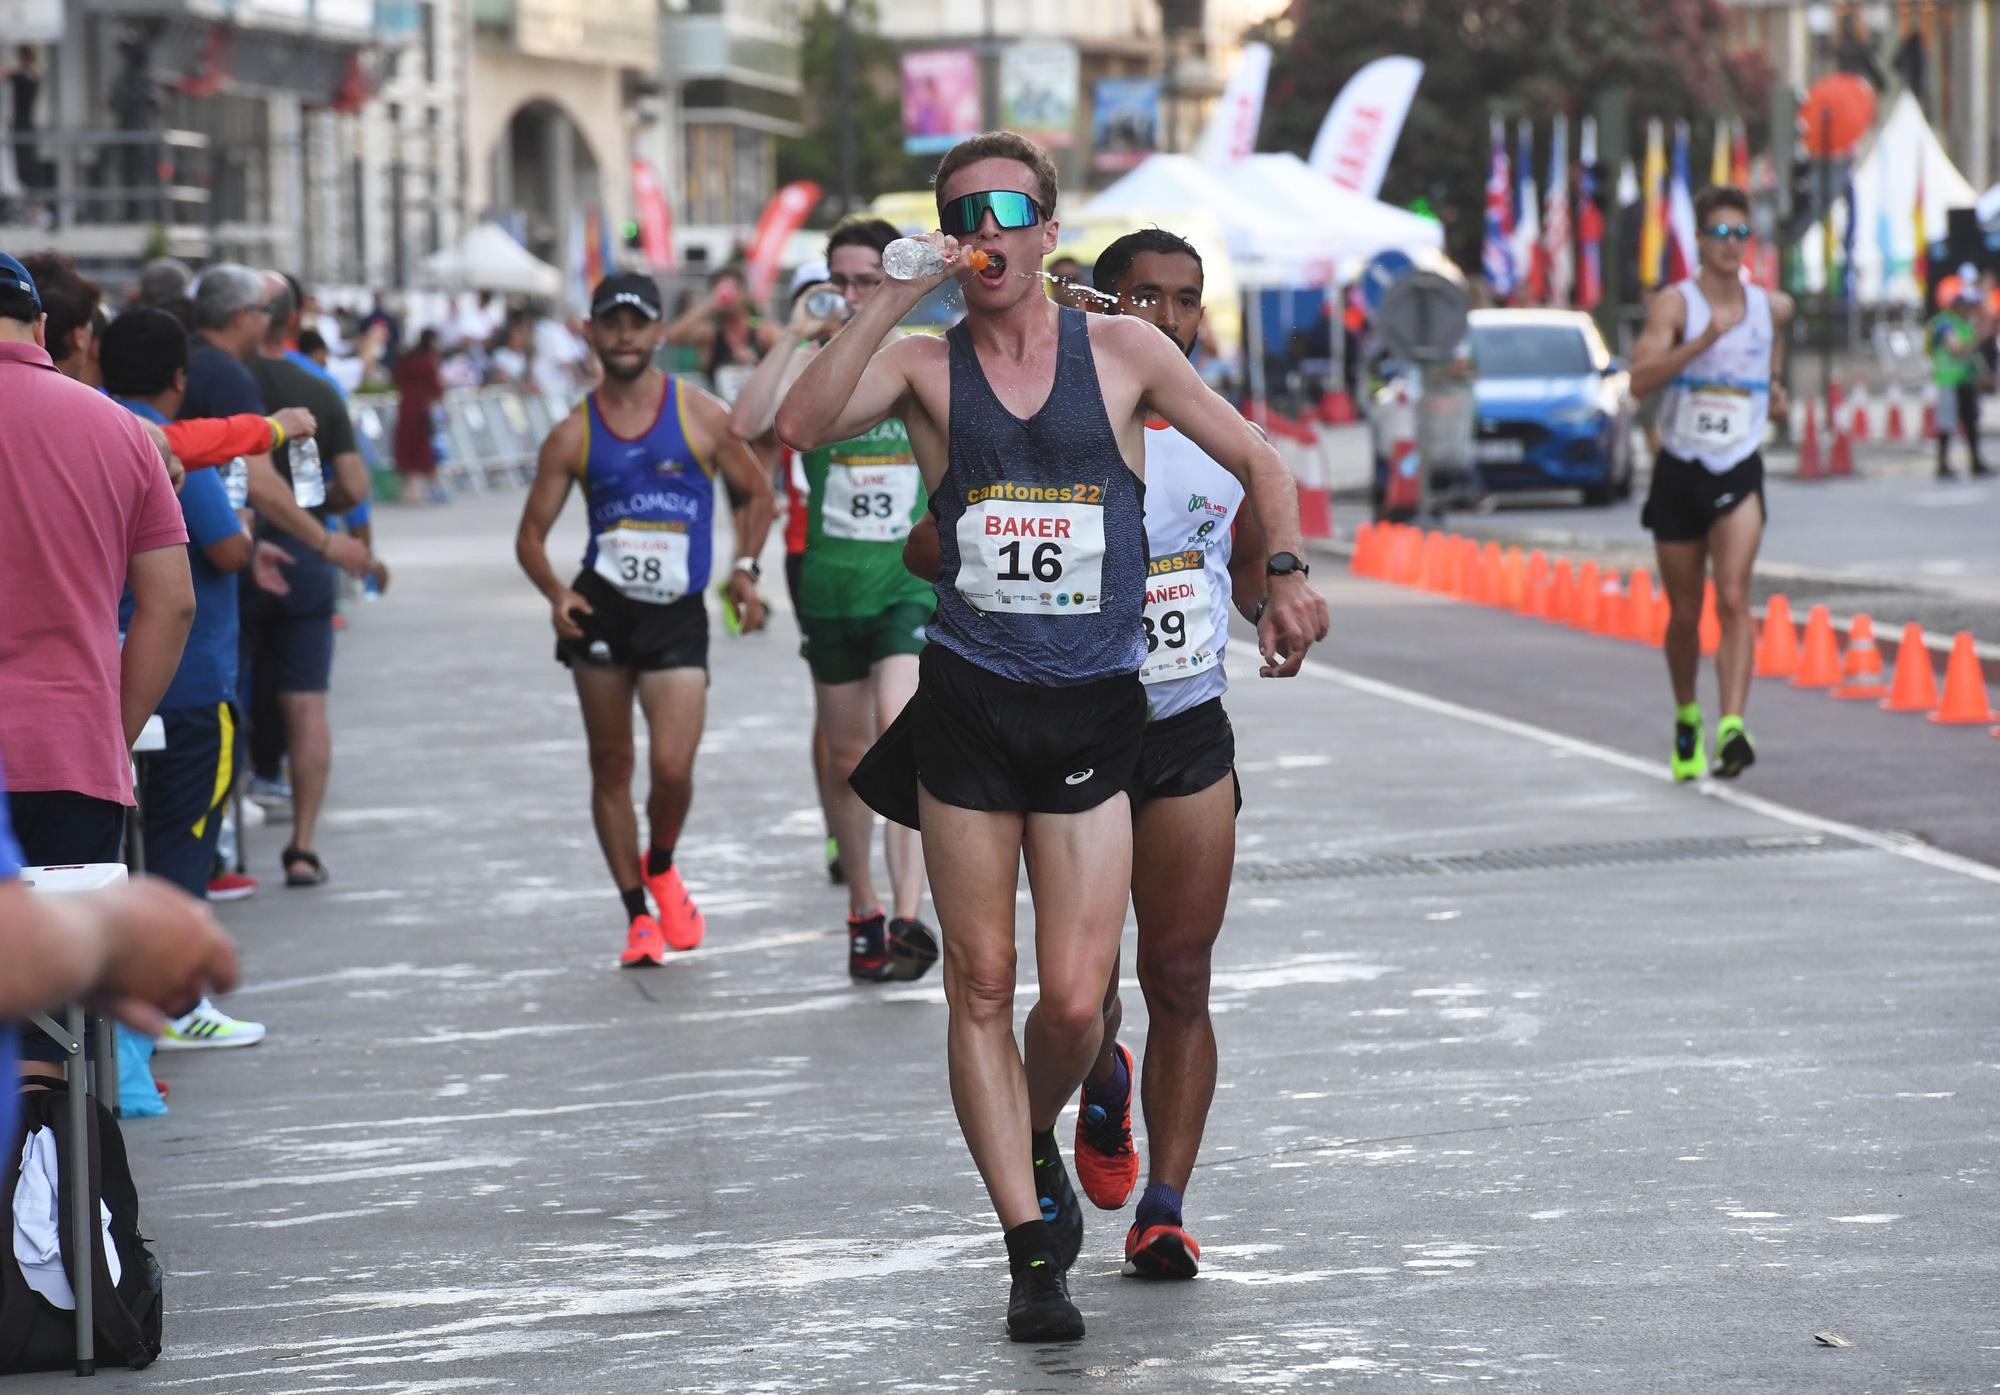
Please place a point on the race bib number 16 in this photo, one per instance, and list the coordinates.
(1038, 558)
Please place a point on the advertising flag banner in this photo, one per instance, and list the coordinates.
(784, 215)
(941, 99)
(1496, 259)
(1038, 91)
(1124, 122)
(1360, 131)
(1231, 132)
(1555, 229)
(649, 208)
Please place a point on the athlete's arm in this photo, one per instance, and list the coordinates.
(1656, 359)
(756, 407)
(748, 480)
(1781, 320)
(555, 471)
(1246, 564)
(1295, 615)
(920, 550)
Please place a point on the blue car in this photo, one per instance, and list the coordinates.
(1554, 409)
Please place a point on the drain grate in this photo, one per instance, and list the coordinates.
(1557, 857)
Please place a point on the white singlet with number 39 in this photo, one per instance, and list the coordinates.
(870, 503)
(1180, 617)
(1191, 505)
(645, 564)
(1031, 557)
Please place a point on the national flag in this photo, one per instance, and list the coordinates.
(1496, 258)
(1681, 260)
(1718, 162)
(1921, 267)
(1530, 268)
(1739, 175)
(1847, 277)
(1559, 254)
(1589, 222)
(1653, 223)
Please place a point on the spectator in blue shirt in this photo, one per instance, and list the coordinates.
(144, 357)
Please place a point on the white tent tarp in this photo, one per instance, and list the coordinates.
(489, 259)
(1357, 226)
(1886, 177)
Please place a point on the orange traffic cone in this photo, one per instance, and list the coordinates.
(1862, 669)
(1361, 562)
(1491, 561)
(1467, 575)
(1809, 468)
(1710, 628)
(1637, 625)
(1778, 650)
(1562, 594)
(1965, 702)
(1513, 580)
(1409, 556)
(1819, 661)
(1610, 606)
(1430, 576)
(1914, 688)
(1588, 597)
(1840, 461)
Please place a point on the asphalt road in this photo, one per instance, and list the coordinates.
(1539, 1073)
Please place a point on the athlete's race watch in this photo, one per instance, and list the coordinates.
(1286, 564)
(750, 565)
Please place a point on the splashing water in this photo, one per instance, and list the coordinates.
(1074, 292)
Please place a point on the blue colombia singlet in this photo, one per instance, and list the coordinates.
(1041, 528)
(652, 502)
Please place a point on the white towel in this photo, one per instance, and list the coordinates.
(37, 1228)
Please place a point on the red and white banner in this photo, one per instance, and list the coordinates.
(649, 210)
(1361, 129)
(1232, 130)
(784, 215)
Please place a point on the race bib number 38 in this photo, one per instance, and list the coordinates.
(869, 503)
(1036, 556)
(646, 564)
(1714, 418)
(1180, 619)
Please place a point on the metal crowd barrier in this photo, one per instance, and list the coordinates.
(490, 436)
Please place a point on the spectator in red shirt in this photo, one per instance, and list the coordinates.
(421, 388)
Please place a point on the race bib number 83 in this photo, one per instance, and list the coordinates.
(869, 503)
(1034, 557)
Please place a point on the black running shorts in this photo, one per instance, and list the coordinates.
(1686, 497)
(635, 634)
(979, 741)
(1186, 753)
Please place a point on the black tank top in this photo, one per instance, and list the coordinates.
(1041, 527)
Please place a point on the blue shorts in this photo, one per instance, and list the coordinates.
(287, 641)
(185, 788)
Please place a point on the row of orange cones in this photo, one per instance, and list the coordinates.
(1593, 599)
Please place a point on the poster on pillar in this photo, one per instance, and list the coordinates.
(941, 99)
(784, 215)
(1038, 86)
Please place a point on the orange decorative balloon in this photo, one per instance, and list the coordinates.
(1837, 112)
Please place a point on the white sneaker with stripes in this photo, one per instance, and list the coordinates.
(208, 1028)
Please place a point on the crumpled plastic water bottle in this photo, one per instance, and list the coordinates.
(308, 476)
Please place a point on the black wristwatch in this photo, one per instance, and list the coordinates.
(1286, 564)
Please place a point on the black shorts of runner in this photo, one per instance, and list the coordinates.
(976, 740)
(1185, 754)
(1686, 497)
(795, 567)
(624, 633)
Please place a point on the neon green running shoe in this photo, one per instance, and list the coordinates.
(1733, 754)
(1690, 760)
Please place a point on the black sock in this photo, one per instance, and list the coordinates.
(635, 902)
(1029, 1240)
(658, 860)
(1042, 1146)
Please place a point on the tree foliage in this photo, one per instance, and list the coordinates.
(1508, 58)
(880, 166)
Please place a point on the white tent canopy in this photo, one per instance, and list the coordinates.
(1358, 227)
(489, 259)
(1886, 179)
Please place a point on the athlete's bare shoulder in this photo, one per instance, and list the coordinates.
(1781, 308)
(563, 447)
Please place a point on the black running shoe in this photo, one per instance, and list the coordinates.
(1038, 1309)
(912, 950)
(1734, 754)
(867, 949)
(1061, 1207)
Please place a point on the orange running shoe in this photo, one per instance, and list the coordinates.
(1106, 1162)
(1160, 1252)
(644, 946)
(681, 921)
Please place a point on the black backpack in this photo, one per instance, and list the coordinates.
(35, 1335)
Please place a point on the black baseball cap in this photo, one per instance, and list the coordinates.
(15, 277)
(632, 288)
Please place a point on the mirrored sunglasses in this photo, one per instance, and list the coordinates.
(1010, 209)
(1739, 231)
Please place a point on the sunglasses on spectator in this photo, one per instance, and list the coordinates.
(1010, 209)
(1725, 231)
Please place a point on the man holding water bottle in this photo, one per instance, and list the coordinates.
(287, 639)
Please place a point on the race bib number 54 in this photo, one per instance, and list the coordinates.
(1714, 418)
(1035, 557)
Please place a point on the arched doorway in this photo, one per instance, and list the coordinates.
(545, 175)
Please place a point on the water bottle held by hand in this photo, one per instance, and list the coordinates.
(308, 478)
(236, 482)
(914, 258)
